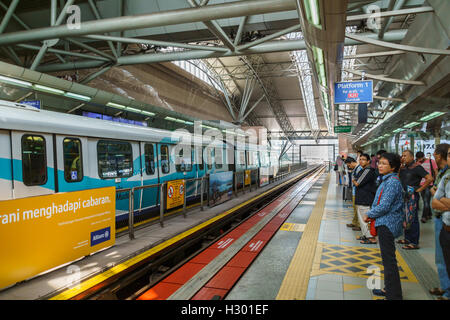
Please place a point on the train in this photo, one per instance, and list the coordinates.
(44, 152)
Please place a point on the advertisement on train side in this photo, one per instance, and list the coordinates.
(220, 187)
(175, 193)
(41, 233)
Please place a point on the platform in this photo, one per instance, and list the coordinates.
(89, 270)
(314, 256)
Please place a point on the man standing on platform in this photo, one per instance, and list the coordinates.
(440, 154)
(365, 189)
(410, 176)
(355, 168)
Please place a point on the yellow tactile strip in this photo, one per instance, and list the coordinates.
(354, 262)
(98, 279)
(295, 282)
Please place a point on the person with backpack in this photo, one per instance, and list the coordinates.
(353, 168)
(364, 182)
(441, 207)
(411, 174)
(387, 210)
(430, 166)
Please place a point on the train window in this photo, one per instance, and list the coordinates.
(115, 159)
(209, 158)
(200, 158)
(34, 160)
(242, 158)
(149, 159)
(73, 162)
(165, 165)
(219, 158)
(184, 163)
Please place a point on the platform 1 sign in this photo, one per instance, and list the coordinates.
(175, 194)
(40, 233)
(353, 92)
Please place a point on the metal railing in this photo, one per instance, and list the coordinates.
(204, 182)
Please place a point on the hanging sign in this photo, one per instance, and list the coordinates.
(353, 92)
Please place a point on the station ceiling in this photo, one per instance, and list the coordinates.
(276, 61)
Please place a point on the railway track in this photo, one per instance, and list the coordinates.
(249, 222)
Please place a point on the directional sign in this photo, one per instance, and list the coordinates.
(32, 103)
(353, 92)
(342, 129)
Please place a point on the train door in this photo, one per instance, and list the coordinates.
(209, 159)
(71, 153)
(33, 164)
(199, 166)
(6, 177)
(148, 197)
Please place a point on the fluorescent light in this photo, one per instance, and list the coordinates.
(48, 89)
(77, 96)
(312, 12)
(412, 124)
(133, 109)
(180, 121)
(170, 119)
(398, 130)
(432, 116)
(115, 105)
(15, 81)
(147, 113)
(189, 123)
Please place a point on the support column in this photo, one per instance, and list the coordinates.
(412, 142)
(397, 141)
(437, 136)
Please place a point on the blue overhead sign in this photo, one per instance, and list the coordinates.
(32, 103)
(353, 92)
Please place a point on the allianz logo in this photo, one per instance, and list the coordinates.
(101, 236)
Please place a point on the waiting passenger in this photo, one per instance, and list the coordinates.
(353, 167)
(440, 154)
(387, 210)
(430, 166)
(441, 201)
(410, 175)
(364, 182)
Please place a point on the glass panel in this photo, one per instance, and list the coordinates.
(115, 159)
(184, 163)
(34, 162)
(73, 162)
(149, 159)
(165, 165)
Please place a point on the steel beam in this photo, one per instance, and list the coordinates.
(240, 31)
(98, 17)
(273, 46)
(9, 13)
(156, 43)
(268, 38)
(375, 54)
(63, 52)
(390, 14)
(159, 19)
(402, 47)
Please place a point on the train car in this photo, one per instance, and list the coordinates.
(44, 152)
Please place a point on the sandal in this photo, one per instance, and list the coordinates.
(350, 225)
(424, 220)
(436, 292)
(361, 238)
(411, 247)
(379, 292)
(404, 241)
(367, 241)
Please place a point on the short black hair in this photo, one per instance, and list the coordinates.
(372, 155)
(393, 159)
(442, 149)
(409, 151)
(420, 155)
(350, 160)
(360, 151)
(380, 152)
(365, 155)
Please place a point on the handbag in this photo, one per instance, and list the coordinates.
(373, 230)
